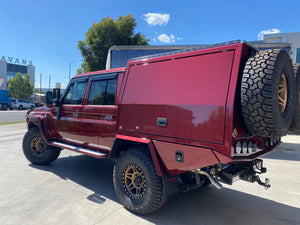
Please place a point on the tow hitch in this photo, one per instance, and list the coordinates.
(246, 171)
(266, 184)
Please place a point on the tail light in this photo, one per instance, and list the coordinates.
(245, 148)
(238, 148)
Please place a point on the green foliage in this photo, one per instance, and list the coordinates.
(37, 90)
(20, 87)
(105, 34)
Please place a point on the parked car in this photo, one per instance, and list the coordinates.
(21, 104)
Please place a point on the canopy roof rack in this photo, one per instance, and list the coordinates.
(186, 50)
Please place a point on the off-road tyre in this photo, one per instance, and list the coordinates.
(36, 150)
(295, 126)
(268, 77)
(139, 188)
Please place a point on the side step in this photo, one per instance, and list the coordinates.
(85, 151)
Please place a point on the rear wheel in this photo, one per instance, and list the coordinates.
(137, 185)
(36, 149)
(268, 93)
(21, 107)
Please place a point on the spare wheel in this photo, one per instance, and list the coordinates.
(268, 93)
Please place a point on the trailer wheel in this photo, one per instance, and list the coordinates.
(295, 126)
(36, 149)
(268, 93)
(139, 188)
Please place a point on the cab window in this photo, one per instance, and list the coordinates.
(75, 93)
(102, 92)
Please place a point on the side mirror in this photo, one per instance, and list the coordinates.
(56, 93)
(56, 102)
(49, 99)
(56, 96)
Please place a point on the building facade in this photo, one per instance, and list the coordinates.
(10, 66)
(291, 38)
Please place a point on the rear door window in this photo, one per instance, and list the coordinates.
(102, 92)
(97, 92)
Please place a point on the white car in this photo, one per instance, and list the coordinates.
(21, 104)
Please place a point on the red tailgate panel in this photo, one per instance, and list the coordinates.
(190, 92)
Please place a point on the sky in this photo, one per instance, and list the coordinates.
(47, 32)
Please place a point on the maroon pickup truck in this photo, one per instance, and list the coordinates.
(173, 122)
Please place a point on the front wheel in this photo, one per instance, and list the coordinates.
(137, 185)
(36, 149)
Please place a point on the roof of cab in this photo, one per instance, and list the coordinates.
(122, 69)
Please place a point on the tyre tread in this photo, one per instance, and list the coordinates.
(258, 98)
(158, 195)
(52, 152)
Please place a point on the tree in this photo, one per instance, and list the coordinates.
(20, 86)
(105, 34)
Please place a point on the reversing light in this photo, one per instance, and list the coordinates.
(238, 148)
(244, 148)
(272, 140)
(249, 147)
(267, 143)
(254, 147)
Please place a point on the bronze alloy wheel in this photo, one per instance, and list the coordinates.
(282, 93)
(37, 146)
(134, 181)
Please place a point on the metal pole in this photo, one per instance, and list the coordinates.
(41, 76)
(70, 67)
(49, 81)
(69, 71)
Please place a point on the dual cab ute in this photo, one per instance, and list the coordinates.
(173, 122)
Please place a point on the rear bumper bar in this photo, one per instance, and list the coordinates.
(247, 171)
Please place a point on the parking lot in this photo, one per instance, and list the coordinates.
(78, 189)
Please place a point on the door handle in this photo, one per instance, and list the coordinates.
(161, 122)
(108, 118)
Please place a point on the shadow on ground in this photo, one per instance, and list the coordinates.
(285, 151)
(203, 206)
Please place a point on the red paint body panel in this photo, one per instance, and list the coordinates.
(69, 127)
(194, 157)
(96, 128)
(189, 92)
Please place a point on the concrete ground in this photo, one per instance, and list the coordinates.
(12, 116)
(78, 189)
